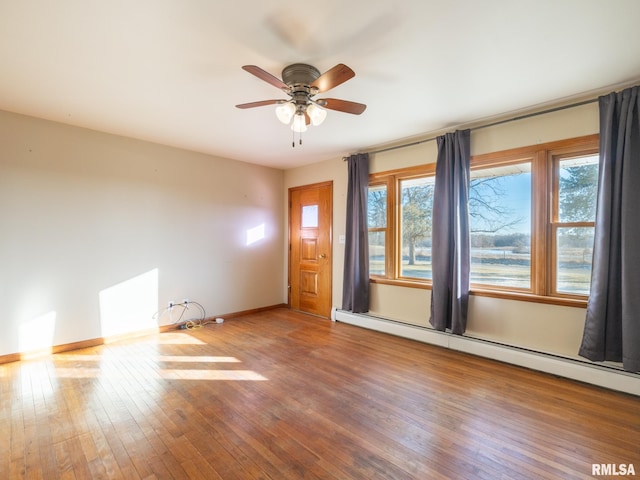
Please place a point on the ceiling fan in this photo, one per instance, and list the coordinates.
(302, 83)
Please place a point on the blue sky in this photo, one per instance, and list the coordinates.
(519, 193)
(515, 196)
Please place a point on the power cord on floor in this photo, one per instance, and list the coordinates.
(191, 324)
(188, 324)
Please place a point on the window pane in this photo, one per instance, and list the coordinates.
(574, 250)
(377, 219)
(578, 189)
(309, 216)
(377, 206)
(416, 206)
(500, 226)
(376, 253)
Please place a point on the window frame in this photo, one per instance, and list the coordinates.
(393, 255)
(554, 159)
(506, 160)
(545, 160)
(398, 219)
(387, 229)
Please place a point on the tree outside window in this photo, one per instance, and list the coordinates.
(377, 223)
(500, 225)
(416, 199)
(575, 212)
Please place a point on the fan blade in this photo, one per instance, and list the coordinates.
(266, 76)
(342, 105)
(259, 104)
(333, 77)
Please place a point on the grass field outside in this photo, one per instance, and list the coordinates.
(505, 267)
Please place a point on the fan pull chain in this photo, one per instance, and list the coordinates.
(293, 142)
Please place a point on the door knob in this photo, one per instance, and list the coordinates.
(323, 255)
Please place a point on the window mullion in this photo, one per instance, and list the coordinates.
(540, 209)
(393, 224)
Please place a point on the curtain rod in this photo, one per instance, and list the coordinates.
(493, 124)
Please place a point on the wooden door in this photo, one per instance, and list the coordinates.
(310, 253)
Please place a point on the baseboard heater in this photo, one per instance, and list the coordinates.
(600, 375)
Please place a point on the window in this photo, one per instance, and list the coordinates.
(416, 206)
(532, 217)
(309, 216)
(500, 225)
(377, 223)
(399, 214)
(574, 214)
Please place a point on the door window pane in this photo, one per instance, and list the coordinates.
(574, 255)
(500, 226)
(416, 213)
(309, 216)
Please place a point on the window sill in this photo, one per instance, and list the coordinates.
(530, 297)
(401, 283)
(484, 292)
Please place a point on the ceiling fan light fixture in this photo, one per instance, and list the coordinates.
(316, 114)
(299, 124)
(285, 112)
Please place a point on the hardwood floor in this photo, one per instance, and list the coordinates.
(282, 395)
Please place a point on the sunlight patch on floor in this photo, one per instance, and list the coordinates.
(159, 358)
(113, 373)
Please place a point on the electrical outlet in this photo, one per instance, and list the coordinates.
(186, 302)
(171, 304)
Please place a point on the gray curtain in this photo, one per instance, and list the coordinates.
(612, 325)
(450, 234)
(355, 287)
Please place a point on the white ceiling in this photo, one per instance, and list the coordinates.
(169, 71)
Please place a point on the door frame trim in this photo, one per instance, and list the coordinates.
(328, 183)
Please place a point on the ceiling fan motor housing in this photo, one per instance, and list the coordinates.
(300, 74)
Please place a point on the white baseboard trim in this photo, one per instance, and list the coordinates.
(602, 376)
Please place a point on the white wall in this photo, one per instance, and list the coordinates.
(540, 327)
(99, 232)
